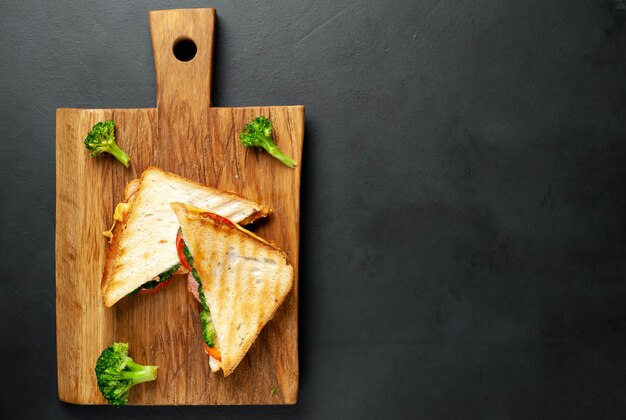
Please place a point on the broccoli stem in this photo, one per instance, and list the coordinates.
(139, 373)
(272, 149)
(119, 154)
(146, 375)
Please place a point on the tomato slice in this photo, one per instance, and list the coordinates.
(213, 352)
(180, 246)
(217, 218)
(157, 288)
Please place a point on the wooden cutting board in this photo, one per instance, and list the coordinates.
(185, 135)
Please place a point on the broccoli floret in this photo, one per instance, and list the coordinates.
(117, 373)
(259, 133)
(208, 329)
(101, 139)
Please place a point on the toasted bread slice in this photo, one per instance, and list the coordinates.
(244, 279)
(144, 243)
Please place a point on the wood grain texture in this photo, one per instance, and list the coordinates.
(186, 136)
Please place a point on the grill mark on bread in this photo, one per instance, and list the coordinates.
(230, 293)
(245, 311)
(215, 268)
(275, 291)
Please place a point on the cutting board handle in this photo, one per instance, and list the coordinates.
(182, 41)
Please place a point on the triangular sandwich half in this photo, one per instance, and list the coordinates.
(243, 280)
(143, 250)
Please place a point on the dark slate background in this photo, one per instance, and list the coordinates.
(463, 198)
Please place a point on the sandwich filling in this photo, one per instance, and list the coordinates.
(158, 282)
(121, 210)
(209, 335)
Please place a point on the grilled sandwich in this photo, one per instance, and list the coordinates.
(241, 281)
(142, 254)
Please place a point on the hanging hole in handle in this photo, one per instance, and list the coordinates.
(184, 49)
